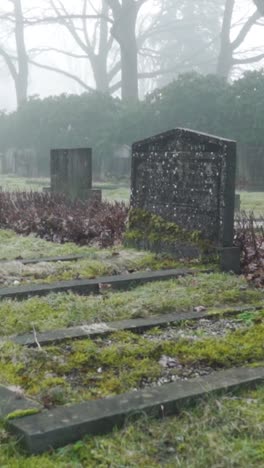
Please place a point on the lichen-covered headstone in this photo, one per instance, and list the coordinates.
(71, 173)
(184, 182)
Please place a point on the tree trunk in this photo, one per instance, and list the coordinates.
(124, 31)
(129, 64)
(21, 82)
(225, 62)
(99, 66)
(260, 6)
(99, 61)
(225, 59)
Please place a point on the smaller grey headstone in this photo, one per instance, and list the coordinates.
(71, 172)
(237, 202)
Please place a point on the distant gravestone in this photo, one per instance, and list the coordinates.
(251, 167)
(71, 173)
(237, 202)
(188, 178)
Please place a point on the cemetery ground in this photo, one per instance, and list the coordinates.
(222, 430)
(118, 191)
(198, 330)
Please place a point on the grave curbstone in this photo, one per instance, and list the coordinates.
(63, 425)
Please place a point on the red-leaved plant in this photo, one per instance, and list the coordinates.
(53, 217)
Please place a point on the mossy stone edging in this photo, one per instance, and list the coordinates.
(12, 403)
(139, 325)
(60, 426)
(86, 287)
(33, 261)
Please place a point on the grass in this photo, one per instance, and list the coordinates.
(97, 262)
(252, 201)
(13, 246)
(111, 192)
(223, 432)
(118, 194)
(12, 182)
(215, 291)
(87, 369)
(220, 432)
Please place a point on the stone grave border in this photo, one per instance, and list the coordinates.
(133, 325)
(60, 426)
(32, 261)
(86, 287)
(11, 401)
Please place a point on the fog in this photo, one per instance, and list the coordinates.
(173, 23)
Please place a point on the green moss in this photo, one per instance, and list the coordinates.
(151, 228)
(21, 414)
(235, 349)
(216, 432)
(79, 370)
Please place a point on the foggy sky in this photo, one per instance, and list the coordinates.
(45, 83)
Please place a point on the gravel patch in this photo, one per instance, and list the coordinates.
(198, 330)
(177, 372)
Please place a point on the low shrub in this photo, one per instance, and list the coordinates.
(250, 237)
(55, 218)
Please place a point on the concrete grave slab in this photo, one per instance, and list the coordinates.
(134, 325)
(32, 261)
(12, 400)
(63, 425)
(86, 287)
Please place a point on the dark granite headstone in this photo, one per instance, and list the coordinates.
(187, 178)
(71, 172)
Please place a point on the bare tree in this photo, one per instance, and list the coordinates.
(113, 41)
(18, 58)
(122, 16)
(229, 48)
(260, 6)
(125, 14)
(17, 63)
(94, 40)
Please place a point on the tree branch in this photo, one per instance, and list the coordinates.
(116, 69)
(59, 51)
(256, 58)
(245, 30)
(62, 72)
(115, 6)
(61, 18)
(8, 59)
(260, 6)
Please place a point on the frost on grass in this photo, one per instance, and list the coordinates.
(216, 292)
